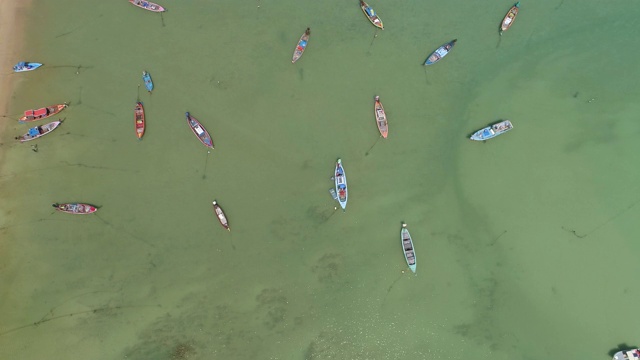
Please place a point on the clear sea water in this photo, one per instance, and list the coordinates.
(527, 245)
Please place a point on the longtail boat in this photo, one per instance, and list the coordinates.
(492, 131)
(381, 117)
(147, 5)
(138, 116)
(26, 66)
(76, 208)
(199, 130)
(509, 18)
(148, 83)
(302, 45)
(38, 131)
(371, 15)
(440, 52)
(221, 216)
(341, 184)
(42, 113)
(407, 248)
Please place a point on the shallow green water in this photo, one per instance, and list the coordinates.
(526, 245)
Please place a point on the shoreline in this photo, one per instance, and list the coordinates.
(12, 20)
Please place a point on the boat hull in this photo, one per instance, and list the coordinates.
(148, 83)
(42, 113)
(147, 5)
(301, 46)
(139, 120)
(39, 131)
(381, 118)
(440, 52)
(407, 248)
(371, 15)
(76, 208)
(492, 131)
(627, 354)
(199, 131)
(222, 218)
(26, 66)
(340, 179)
(509, 18)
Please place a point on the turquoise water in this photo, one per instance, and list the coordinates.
(526, 244)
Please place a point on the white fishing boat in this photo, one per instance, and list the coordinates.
(492, 131)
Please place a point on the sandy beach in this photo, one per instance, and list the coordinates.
(12, 15)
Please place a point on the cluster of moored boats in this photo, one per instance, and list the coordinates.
(340, 190)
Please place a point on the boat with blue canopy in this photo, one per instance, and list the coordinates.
(25, 66)
(492, 131)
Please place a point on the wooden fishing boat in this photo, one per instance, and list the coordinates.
(407, 248)
(138, 116)
(440, 52)
(371, 15)
(302, 45)
(381, 117)
(492, 131)
(633, 354)
(341, 184)
(221, 216)
(199, 131)
(38, 131)
(76, 208)
(25, 66)
(42, 113)
(147, 5)
(148, 83)
(509, 18)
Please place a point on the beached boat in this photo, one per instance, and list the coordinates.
(407, 248)
(25, 66)
(148, 83)
(147, 5)
(221, 216)
(371, 15)
(440, 52)
(341, 184)
(38, 131)
(199, 130)
(492, 131)
(302, 45)
(381, 117)
(76, 208)
(633, 354)
(42, 113)
(509, 18)
(139, 121)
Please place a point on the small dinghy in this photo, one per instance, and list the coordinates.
(76, 208)
(38, 131)
(148, 83)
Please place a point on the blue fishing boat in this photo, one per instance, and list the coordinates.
(148, 83)
(440, 52)
(199, 131)
(492, 131)
(25, 66)
(341, 184)
(407, 248)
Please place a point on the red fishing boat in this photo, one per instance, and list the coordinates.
(221, 216)
(381, 117)
(76, 208)
(139, 119)
(42, 113)
(147, 5)
(509, 18)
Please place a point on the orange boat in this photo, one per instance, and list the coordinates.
(139, 119)
(509, 18)
(381, 117)
(42, 113)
